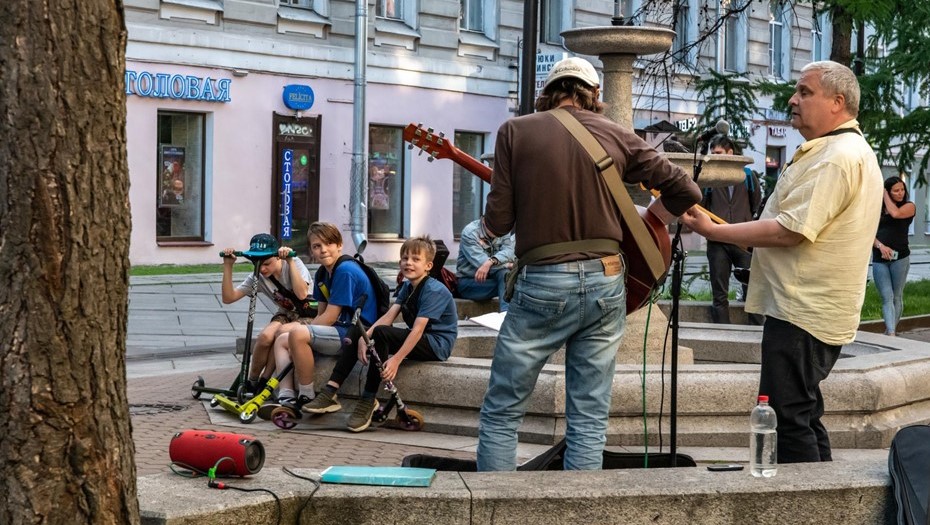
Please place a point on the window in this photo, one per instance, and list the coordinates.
(396, 23)
(180, 177)
(307, 17)
(468, 191)
(392, 9)
(471, 17)
(554, 17)
(630, 10)
(820, 37)
(685, 31)
(780, 40)
(386, 182)
(732, 51)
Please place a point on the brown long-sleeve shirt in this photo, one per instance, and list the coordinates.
(547, 189)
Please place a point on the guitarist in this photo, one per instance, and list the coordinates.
(547, 189)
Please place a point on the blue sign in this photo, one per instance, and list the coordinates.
(298, 97)
(163, 85)
(287, 173)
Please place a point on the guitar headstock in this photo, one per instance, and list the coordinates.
(434, 144)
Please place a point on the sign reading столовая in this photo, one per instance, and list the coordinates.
(184, 87)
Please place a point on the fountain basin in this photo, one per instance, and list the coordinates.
(620, 40)
(717, 171)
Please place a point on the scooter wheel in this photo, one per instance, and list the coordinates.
(196, 388)
(214, 402)
(241, 394)
(247, 416)
(414, 421)
(284, 418)
(380, 415)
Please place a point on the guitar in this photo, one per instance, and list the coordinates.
(640, 280)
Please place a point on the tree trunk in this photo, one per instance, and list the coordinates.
(66, 454)
(842, 36)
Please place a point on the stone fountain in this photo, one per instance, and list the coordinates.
(876, 388)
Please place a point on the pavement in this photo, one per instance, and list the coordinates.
(180, 331)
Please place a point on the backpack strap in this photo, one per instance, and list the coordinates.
(318, 276)
(411, 306)
(300, 305)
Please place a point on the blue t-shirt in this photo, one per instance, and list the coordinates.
(346, 287)
(437, 305)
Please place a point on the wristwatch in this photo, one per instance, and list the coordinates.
(494, 261)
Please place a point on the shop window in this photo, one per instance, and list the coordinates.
(468, 191)
(386, 182)
(180, 177)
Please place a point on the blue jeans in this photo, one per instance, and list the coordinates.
(571, 304)
(890, 277)
(492, 287)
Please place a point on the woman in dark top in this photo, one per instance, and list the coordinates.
(890, 253)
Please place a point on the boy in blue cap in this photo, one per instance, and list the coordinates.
(286, 281)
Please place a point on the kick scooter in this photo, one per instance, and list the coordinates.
(238, 388)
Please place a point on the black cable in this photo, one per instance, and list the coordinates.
(222, 486)
(316, 487)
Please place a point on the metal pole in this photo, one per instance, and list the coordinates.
(358, 177)
(528, 59)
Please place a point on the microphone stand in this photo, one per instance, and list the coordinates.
(678, 268)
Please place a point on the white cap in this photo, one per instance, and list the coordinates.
(574, 67)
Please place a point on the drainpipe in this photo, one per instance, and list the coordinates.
(358, 177)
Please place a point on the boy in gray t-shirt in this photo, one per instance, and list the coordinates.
(284, 279)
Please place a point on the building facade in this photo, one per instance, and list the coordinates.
(240, 112)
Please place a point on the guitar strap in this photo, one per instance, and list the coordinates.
(610, 173)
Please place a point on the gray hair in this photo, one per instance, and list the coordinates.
(838, 79)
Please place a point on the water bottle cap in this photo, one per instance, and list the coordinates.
(763, 399)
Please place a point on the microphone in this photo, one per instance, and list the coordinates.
(721, 128)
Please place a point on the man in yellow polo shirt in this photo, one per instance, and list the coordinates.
(810, 265)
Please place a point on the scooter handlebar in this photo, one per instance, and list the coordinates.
(238, 253)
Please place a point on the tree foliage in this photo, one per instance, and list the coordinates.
(892, 66)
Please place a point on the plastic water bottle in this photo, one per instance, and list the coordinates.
(763, 452)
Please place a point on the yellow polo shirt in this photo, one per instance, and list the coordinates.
(831, 193)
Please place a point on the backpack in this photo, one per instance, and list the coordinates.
(909, 464)
(382, 292)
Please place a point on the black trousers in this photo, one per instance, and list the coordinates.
(721, 258)
(388, 340)
(793, 364)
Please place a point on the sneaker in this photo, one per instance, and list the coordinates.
(323, 403)
(361, 416)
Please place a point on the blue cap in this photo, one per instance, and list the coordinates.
(262, 245)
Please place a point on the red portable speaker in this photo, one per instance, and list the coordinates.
(203, 449)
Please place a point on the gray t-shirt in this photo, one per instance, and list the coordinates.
(268, 288)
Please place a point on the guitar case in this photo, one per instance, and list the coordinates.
(909, 466)
(552, 459)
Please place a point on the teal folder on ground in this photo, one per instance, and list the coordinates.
(390, 476)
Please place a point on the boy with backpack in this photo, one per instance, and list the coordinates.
(284, 279)
(428, 309)
(339, 285)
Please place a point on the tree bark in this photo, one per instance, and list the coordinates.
(840, 50)
(66, 454)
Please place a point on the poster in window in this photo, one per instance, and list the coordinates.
(380, 168)
(171, 189)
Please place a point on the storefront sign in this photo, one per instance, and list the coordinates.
(179, 87)
(544, 63)
(298, 130)
(298, 97)
(686, 124)
(778, 131)
(287, 172)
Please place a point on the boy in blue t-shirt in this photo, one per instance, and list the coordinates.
(427, 308)
(337, 289)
